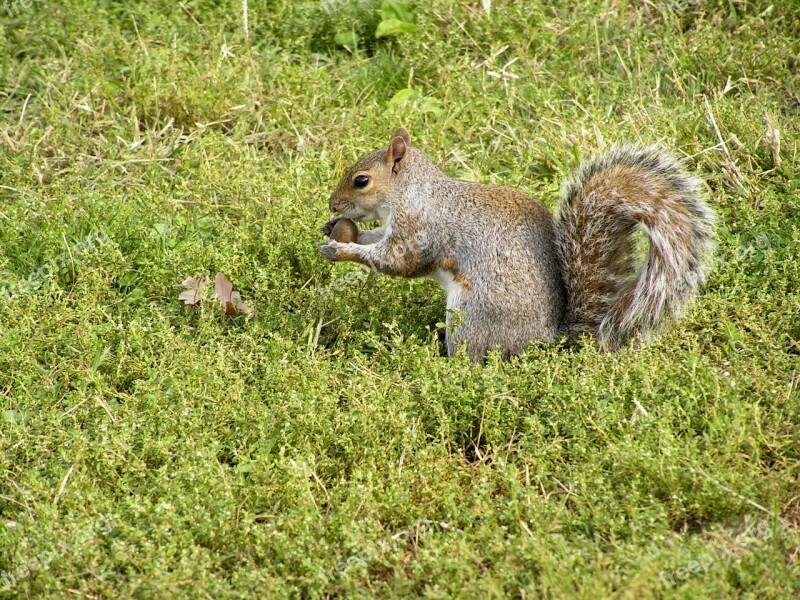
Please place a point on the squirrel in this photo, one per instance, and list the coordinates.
(514, 273)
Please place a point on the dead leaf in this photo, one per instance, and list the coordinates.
(231, 301)
(193, 293)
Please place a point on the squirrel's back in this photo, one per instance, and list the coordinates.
(616, 290)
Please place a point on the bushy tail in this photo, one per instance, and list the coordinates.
(615, 289)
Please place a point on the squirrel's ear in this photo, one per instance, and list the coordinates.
(403, 133)
(396, 153)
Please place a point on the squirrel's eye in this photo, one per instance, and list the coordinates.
(361, 181)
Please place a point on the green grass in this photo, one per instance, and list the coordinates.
(240, 457)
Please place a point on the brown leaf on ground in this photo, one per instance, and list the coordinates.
(193, 293)
(231, 301)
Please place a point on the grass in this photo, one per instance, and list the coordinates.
(325, 448)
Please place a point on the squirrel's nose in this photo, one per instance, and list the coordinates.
(332, 204)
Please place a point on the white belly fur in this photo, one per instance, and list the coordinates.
(455, 291)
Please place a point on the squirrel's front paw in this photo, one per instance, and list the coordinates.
(342, 251)
(330, 249)
(328, 227)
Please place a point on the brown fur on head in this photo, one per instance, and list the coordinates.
(366, 191)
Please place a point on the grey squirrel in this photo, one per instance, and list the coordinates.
(511, 271)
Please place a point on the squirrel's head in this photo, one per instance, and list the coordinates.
(367, 190)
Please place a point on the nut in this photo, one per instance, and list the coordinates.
(344, 231)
